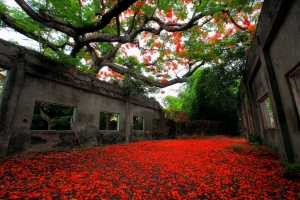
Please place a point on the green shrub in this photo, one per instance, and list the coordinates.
(291, 170)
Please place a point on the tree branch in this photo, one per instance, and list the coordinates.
(146, 80)
(118, 25)
(42, 18)
(2, 76)
(110, 55)
(236, 24)
(173, 27)
(115, 11)
(44, 115)
(170, 27)
(106, 37)
(132, 24)
(10, 22)
(96, 59)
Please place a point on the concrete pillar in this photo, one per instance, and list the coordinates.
(281, 113)
(127, 120)
(8, 104)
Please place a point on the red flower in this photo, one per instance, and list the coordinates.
(205, 168)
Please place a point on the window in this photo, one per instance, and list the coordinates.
(249, 117)
(48, 116)
(156, 123)
(244, 119)
(3, 74)
(267, 112)
(138, 123)
(109, 121)
(294, 79)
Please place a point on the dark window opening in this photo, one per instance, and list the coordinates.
(267, 113)
(155, 123)
(109, 121)
(48, 116)
(138, 123)
(3, 74)
(294, 79)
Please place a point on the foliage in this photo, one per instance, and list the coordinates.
(214, 90)
(132, 85)
(60, 117)
(237, 147)
(211, 94)
(291, 170)
(165, 169)
(157, 133)
(136, 137)
(138, 123)
(2, 79)
(110, 118)
(173, 103)
(149, 40)
(251, 137)
(209, 127)
(185, 136)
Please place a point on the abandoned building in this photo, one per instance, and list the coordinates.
(32, 80)
(271, 93)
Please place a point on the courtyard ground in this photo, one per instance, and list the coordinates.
(204, 168)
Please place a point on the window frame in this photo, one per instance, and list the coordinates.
(118, 121)
(143, 124)
(155, 123)
(3, 72)
(267, 116)
(54, 104)
(295, 88)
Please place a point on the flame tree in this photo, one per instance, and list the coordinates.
(157, 43)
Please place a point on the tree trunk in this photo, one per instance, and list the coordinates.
(107, 124)
(44, 116)
(73, 129)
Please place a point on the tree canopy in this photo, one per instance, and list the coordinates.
(150, 41)
(211, 93)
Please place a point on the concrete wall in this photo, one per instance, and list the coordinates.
(273, 57)
(32, 78)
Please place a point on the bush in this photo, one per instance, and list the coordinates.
(291, 170)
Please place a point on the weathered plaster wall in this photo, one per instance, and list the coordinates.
(148, 116)
(285, 56)
(275, 51)
(87, 104)
(34, 78)
(260, 87)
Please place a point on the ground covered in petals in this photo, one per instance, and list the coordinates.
(204, 168)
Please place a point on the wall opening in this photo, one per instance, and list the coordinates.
(109, 121)
(138, 123)
(48, 116)
(3, 74)
(294, 79)
(244, 119)
(267, 112)
(155, 123)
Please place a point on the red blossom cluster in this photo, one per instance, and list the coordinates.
(169, 13)
(206, 168)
